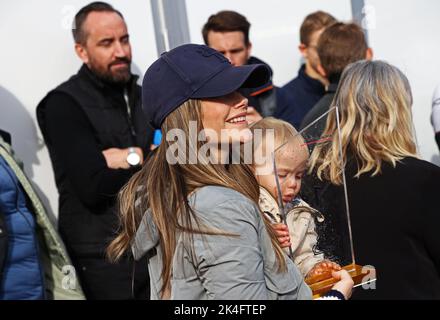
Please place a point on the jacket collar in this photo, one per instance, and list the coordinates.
(311, 84)
(332, 87)
(334, 82)
(269, 205)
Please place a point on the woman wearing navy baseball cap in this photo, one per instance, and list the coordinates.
(198, 220)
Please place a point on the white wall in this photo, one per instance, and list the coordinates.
(37, 55)
(274, 30)
(406, 34)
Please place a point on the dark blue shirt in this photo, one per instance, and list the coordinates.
(300, 94)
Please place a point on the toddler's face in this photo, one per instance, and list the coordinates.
(291, 162)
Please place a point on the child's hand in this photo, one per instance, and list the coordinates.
(323, 267)
(282, 234)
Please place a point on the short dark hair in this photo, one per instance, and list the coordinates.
(79, 35)
(339, 45)
(314, 22)
(226, 21)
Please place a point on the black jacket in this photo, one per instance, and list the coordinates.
(79, 119)
(395, 221)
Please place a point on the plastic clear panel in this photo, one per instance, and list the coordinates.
(291, 162)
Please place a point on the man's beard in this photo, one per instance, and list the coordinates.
(119, 77)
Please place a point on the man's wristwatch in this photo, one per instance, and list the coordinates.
(133, 158)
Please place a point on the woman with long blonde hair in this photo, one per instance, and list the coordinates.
(196, 216)
(391, 192)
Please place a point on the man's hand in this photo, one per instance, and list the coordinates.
(252, 115)
(282, 234)
(117, 158)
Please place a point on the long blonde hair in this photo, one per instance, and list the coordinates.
(170, 185)
(374, 101)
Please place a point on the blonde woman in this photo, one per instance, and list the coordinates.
(392, 193)
(198, 221)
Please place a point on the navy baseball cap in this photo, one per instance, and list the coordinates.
(193, 71)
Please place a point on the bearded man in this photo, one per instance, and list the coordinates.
(97, 137)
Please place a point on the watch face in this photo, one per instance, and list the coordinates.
(133, 158)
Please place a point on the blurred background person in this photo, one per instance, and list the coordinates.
(304, 91)
(339, 45)
(393, 195)
(228, 33)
